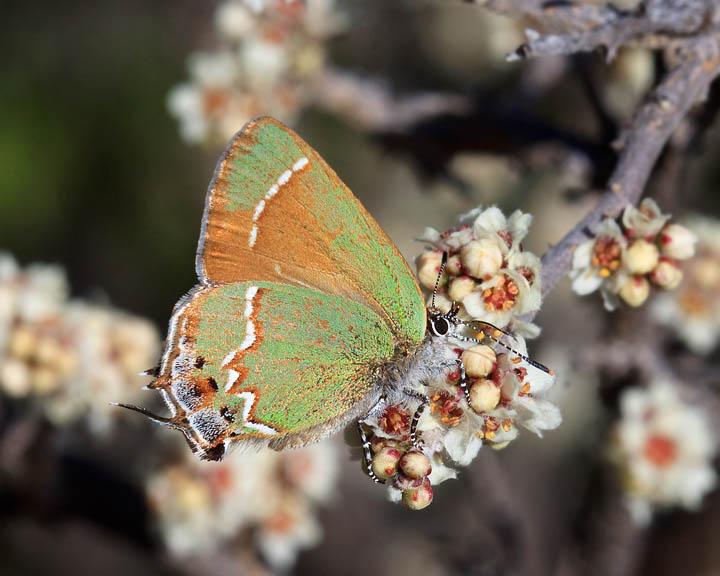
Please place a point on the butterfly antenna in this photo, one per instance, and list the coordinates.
(154, 417)
(439, 276)
(496, 338)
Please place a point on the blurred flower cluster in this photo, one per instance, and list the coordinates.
(72, 357)
(664, 448)
(269, 51)
(492, 279)
(625, 261)
(265, 500)
(693, 310)
(488, 273)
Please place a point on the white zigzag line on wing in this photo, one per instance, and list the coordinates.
(274, 189)
(248, 402)
(249, 339)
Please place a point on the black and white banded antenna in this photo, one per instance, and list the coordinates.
(472, 324)
(439, 277)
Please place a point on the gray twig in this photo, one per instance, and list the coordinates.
(371, 104)
(570, 28)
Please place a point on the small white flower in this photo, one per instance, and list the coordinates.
(185, 102)
(645, 221)
(290, 528)
(234, 19)
(598, 259)
(262, 63)
(508, 232)
(213, 69)
(664, 449)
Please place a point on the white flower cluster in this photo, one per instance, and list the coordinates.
(493, 279)
(488, 273)
(72, 357)
(270, 497)
(269, 51)
(693, 310)
(624, 262)
(664, 449)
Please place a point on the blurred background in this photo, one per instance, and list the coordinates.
(110, 131)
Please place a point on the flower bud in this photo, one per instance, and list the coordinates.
(45, 381)
(385, 462)
(234, 20)
(481, 257)
(428, 267)
(479, 360)
(48, 351)
(418, 498)
(377, 443)
(461, 287)
(454, 265)
(415, 464)
(484, 395)
(635, 291)
(677, 242)
(706, 272)
(442, 303)
(666, 275)
(23, 342)
(193, 495)
(15, 378)
(641, 257)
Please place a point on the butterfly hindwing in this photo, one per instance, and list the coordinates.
(270, 362)
(276, 211)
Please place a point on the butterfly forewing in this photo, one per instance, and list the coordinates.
(276, 211)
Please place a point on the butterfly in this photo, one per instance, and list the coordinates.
(304, 312)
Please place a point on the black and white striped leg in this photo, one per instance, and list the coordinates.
(367, 454)
(463, 380)
(424, 401)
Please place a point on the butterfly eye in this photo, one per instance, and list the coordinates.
(440, 326)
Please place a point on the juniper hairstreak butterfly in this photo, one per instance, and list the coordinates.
(302, 304)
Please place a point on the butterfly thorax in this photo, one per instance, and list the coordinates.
(405, 372)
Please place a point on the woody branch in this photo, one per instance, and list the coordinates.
(690, 34)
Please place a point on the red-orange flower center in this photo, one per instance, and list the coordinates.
(446, 407)
(215, 101)
(606, 255)
(660, 450)
(395, 421)
(502, 296)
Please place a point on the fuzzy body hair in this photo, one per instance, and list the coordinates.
(433, 358)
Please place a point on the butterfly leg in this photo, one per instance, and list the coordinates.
(424, 401)
(367, 454)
